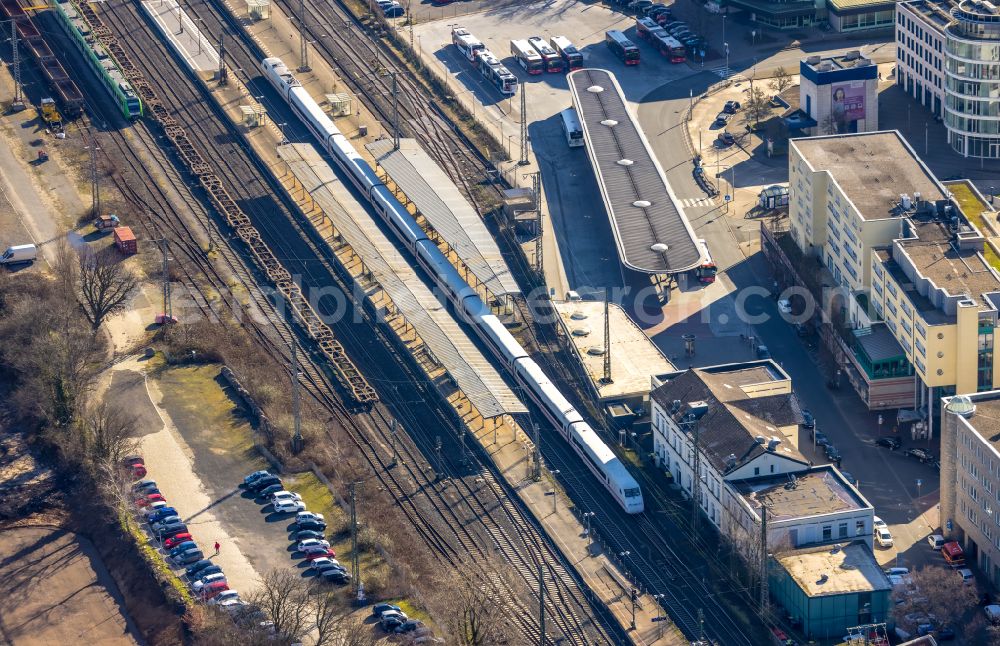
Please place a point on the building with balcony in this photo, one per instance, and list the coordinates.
(970, 479)
(948, 59)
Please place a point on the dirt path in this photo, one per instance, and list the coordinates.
(54, 589)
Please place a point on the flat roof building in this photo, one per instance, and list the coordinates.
(838, 94)
(831, 589)
(634, 356)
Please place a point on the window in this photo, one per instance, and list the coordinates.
(859, 527)
(842, 530)
(827, 532)
(756, 471)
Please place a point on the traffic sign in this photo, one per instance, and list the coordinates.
(729, 197)
(948, 525)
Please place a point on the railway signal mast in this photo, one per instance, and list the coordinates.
(18, 104)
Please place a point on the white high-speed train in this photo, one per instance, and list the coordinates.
(595, 453)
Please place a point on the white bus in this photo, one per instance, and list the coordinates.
(466, 43)
(571, 127)
(493, 71)
(527, 57)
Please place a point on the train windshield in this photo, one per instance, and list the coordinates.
(632, 493)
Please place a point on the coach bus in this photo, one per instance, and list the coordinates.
(572, 128)
(570, 54)
(622, 47)
(526, 56)
(466, 43)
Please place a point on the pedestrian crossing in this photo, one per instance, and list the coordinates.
(724, 73)
(690, 202)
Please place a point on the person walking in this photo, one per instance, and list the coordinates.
(217, 546)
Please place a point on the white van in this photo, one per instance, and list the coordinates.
(936, 541)
(19, 253)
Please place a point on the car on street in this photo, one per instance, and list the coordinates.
(188, 557)
(212, 590)
(289, 506)
(880, 524)
(820, 438)
(921, 454)
(732, 107)
(379, 608)
(992, 613)
(304, 534)
(263, 483)
(285, 495)
(312, 543)
(224, 598)
(831, 452)
(883, 537)
(174, 541)
(891, 443)
(193, 569)
(785, 306)
(320, 554)
(255, 476)
(808, 421)
(849, 477)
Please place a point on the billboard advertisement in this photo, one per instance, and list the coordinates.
(848, 101)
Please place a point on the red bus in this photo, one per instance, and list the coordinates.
(705, 272)
(526, 56)
(670, 47)
(569, 53)
(553, 61)
(622, 47)
(647, 28)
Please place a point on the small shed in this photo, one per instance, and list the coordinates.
(125, 241)
(774, 197)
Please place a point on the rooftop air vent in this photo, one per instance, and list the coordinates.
(773, 443)
(642, 204)
(698, 408)
(595, 89)
(659, 247)
(596, 351)
(760, 439)
(675, 406)
(578, 316)
(609, 123)
(625, 162)
(961, 405)
(581, 331)
(823, 579)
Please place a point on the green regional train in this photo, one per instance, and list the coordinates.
(100, 60)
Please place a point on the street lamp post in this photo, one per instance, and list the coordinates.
(726, 45)
(555, 492)
(880, 420)
(587, 515)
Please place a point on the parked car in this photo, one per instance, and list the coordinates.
(936, 541)
(831, 452)
(408, 626)
(326, 563)
(270, 490)
(808, 421)
(161, 513)
(289, 506)
(921, 454)
(992, 613)
(211, 569)
(174, 541)
(208, 579)
(849, 477)
(144, 485)
(212, 590)
(188, 557)
(379, 608)
(153, 507)
(169, 519)
(225, 598)
(305, 534)
(336, 576)
(309, 515)
(726, 139)
(319, 554)
(721, 120)
(897, 571)
(166, 531)
(785, 306)
(882, 537)
(255, 476)
(879, 523)
(968, 578)
(891, 443)
(395, 10)
(285, 495)
(150, 499)
(655, 8)
(638, 5)
(821, 438)
(312, 543)
(391, 619)
(310, 524)
(732, 107)
(182, 547)
(193, 569)
(261, 483)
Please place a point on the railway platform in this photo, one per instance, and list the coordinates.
(197, 49)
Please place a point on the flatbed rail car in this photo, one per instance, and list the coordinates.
(100, 60)
(66, 92)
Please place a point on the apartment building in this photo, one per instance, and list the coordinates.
(948, 59)
(838, 93)
(970, 478)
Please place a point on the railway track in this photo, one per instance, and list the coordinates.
(575, 623)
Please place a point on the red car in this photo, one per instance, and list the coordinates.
(150, 499)
(213, 589)
(174, 541)
(319, 554)
(136, 464)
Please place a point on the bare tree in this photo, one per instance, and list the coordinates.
(782, 80)
(325, 616)
(345, 631)
(932, 592)
(283, 596)
(105, 287)
(211, 626)
(757, 107)
(479, 604)
(106, 432)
